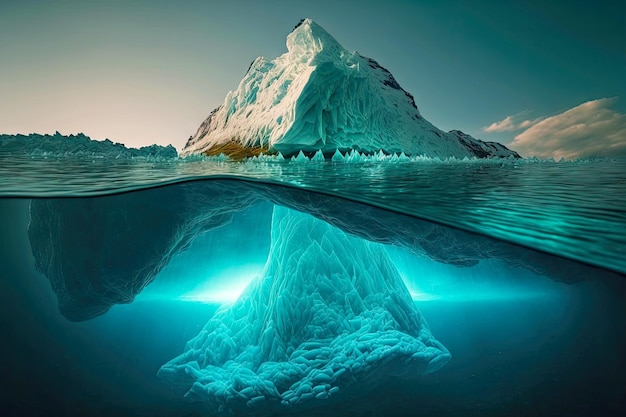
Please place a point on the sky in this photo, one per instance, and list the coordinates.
(544, 77)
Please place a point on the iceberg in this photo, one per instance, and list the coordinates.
(321, 97)
(329, 314)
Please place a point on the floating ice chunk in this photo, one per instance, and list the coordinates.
(329, 312)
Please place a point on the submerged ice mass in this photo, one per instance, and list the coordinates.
(320, 96)
(131, 237)
(329, 314)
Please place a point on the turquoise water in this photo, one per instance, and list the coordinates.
(426, 287)
(573, 209)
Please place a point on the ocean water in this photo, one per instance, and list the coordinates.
(367, 288)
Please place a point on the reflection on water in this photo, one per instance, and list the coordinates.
(324, 327)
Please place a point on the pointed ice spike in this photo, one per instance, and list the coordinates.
(381, 156)
(301, 157)
(354, 156)
(338, 157)
(318, 157)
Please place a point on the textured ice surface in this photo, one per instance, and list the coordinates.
(59, 145)
(319, 95)
(329, 313)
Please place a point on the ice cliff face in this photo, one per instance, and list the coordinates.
(330, 312)
(319, 95)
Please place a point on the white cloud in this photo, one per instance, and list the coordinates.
(509, 123)
(591, 129)
(501, 126)
(527, 123)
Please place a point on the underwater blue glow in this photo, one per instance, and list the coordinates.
(226, 287)
(219, 264)
(477, 296)
(475, 284)
(227, 291)
(196, 276)
(223, 287)
(489, 280)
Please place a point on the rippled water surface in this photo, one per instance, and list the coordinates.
(572, 209)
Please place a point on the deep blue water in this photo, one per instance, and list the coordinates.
(530, 330)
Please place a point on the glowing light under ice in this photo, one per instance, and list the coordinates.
(227, 286)
(329, 313)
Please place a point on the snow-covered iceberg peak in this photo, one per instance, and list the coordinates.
(309, 41)
(320, 96)
(330, 316)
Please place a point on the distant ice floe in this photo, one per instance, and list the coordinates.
(330, 314)
(80, 145)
